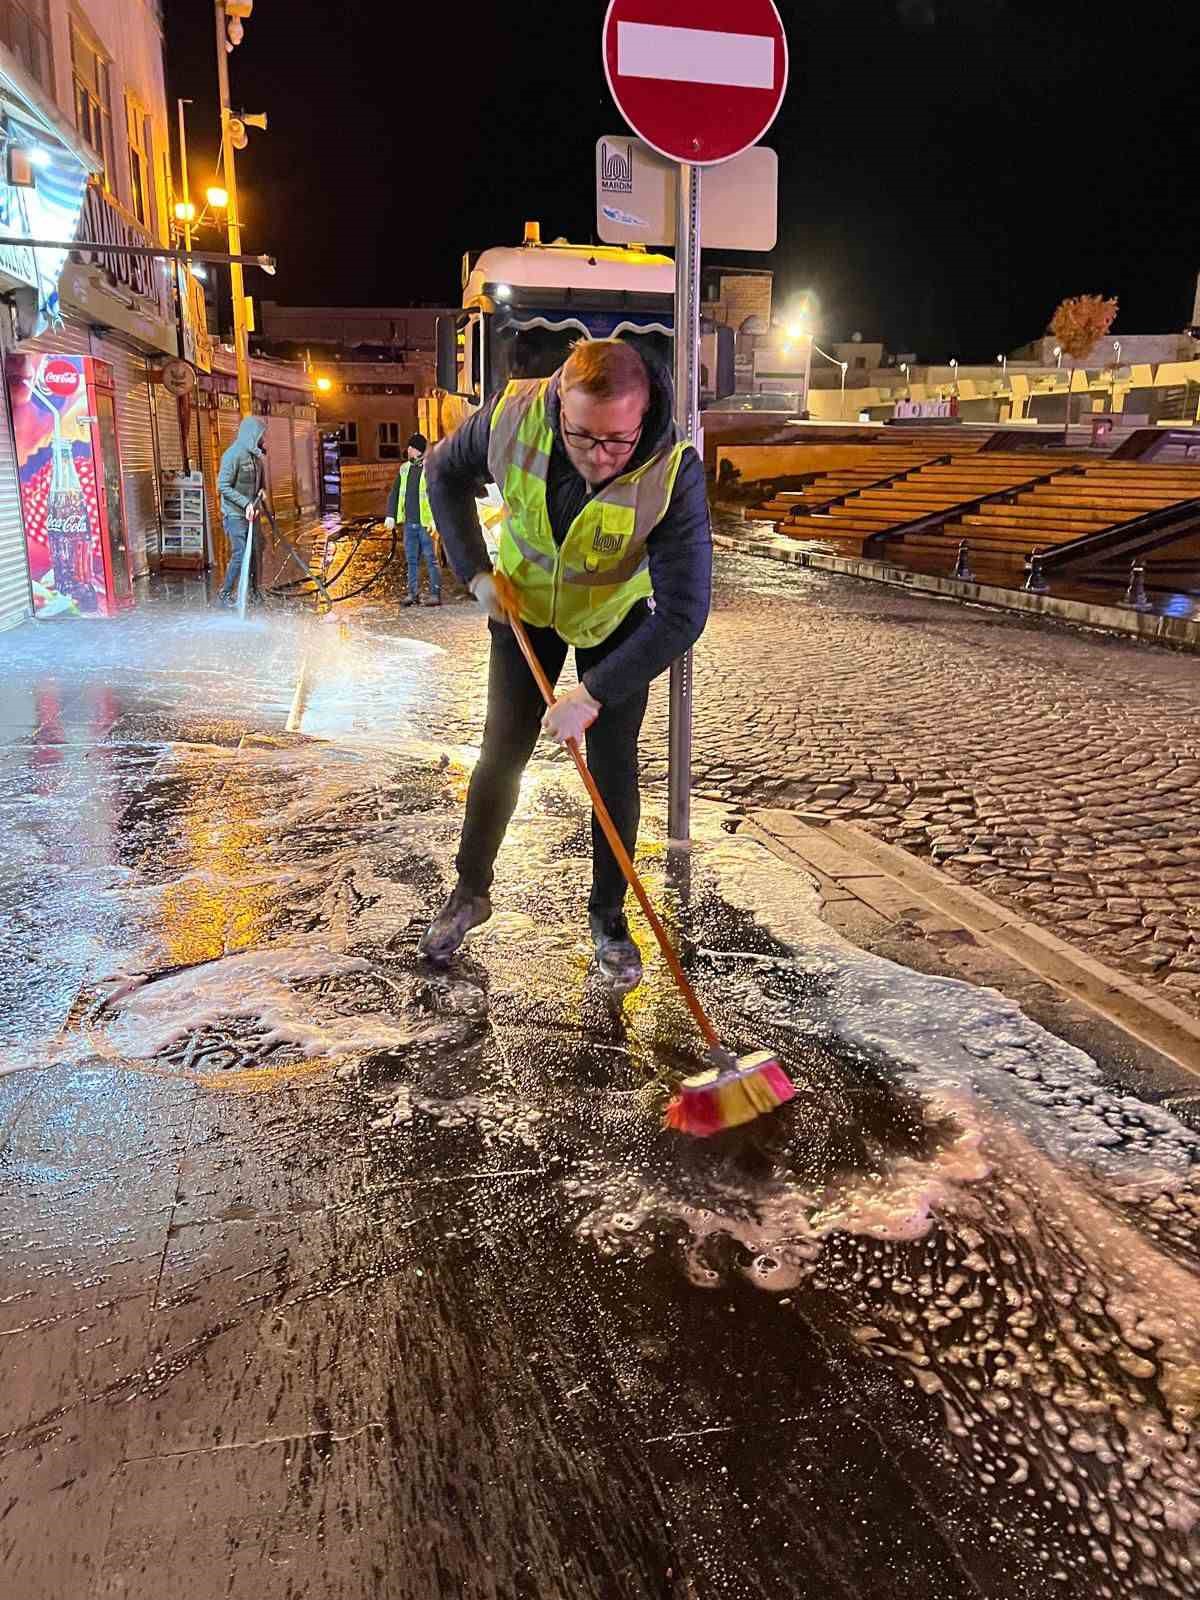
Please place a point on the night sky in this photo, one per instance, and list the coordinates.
(949, 169)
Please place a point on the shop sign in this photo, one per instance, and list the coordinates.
(129, 293)
(197, 341)
(47, 210)
(178, 377)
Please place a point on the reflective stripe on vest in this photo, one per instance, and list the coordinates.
(585, 588)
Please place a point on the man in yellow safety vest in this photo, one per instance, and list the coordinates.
(408, 502)
(607, 540)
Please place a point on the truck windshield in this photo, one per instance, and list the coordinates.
(537, 352)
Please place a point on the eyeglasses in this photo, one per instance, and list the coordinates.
(587, 442)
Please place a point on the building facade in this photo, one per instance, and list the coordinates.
(372, 365)
(92, 439)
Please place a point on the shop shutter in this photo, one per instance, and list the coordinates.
(136, 434)
(69, 339)
(281, 478)
(15, 603)
(166, 419)
(218, 429)
(304, 448)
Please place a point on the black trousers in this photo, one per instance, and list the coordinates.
(514, 717)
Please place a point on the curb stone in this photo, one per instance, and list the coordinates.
(868, 885)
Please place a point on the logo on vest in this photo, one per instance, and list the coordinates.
(607, 544)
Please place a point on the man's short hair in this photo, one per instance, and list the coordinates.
(606, 369)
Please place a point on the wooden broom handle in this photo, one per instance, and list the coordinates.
(508, 599)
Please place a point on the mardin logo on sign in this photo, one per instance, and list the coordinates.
(616, 170)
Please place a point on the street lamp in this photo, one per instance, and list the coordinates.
(324, 384)
(1058, 355)
(954, 371)
(1003, 360)
(217, 197)
(845, 369)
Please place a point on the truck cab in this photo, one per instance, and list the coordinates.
(525, 306)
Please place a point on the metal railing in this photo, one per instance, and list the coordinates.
(1134, 537)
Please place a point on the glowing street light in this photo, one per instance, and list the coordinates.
(1058, 355)
(324, 384)
(185, 211)
(954, 370)
(217, 197)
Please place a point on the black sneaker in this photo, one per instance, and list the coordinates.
(462, 912)
(617, 956)
(432, 600)
(409, 600)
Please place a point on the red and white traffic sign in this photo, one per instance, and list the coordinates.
(699, 80)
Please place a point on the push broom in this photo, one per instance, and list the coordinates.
(735, 1089)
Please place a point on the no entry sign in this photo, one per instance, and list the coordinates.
(700, 81)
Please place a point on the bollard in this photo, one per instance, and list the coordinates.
(962, 567)
(1136, 595)
(1035, 579)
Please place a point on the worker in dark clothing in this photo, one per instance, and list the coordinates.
(409, 500)
(240, 479)
(608, 542)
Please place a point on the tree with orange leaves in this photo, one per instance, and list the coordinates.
(1078, 325)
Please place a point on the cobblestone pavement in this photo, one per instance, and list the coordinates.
(1056, 770)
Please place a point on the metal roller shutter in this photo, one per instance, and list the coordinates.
(69, 339)
(281, 478)
(15, 602)
(304, 447)
(139, 465)
(166, 418)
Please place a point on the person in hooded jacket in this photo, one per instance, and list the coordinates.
(240, 479)
(608, 542)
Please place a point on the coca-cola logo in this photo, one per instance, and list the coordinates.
(67, 525)
(60, 377)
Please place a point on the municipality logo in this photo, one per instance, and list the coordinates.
(616, 170)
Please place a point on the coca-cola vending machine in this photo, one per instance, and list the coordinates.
(65, 423)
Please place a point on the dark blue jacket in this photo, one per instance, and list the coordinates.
(679, 549)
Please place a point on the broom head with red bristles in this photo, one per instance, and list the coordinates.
(734, 1092)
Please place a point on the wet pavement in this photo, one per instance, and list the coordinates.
(327, 1274)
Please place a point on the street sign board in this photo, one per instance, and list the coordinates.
(704, 92)
(637, 197)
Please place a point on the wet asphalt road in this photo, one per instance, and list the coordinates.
(324, 1274)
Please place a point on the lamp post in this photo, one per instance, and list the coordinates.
(187, 211)
(1058, 355)
(954, 373)
(907, 371)
(225, 12)
(1003, 363)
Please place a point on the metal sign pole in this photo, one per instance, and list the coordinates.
(687, 415)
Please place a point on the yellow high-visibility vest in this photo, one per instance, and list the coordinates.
(585, 587)
(422, 495)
